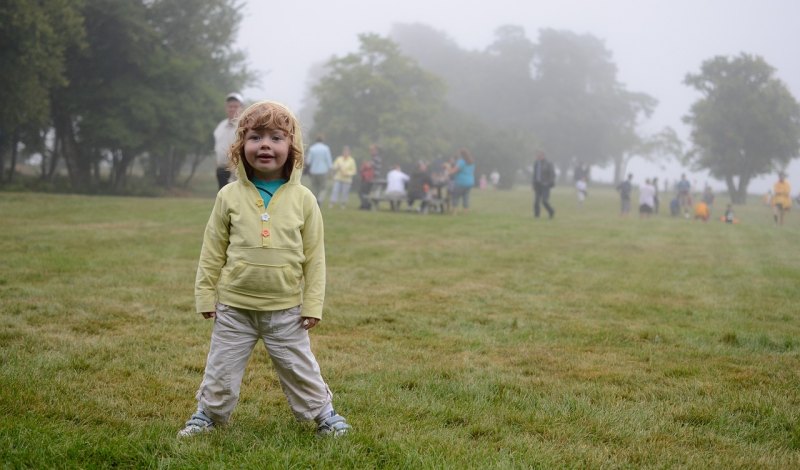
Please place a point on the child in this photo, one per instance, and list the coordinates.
(581, 187)
(261, 275)
(729, 217)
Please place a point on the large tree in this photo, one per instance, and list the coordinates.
(746, 124)
(560, 94)
(140, 79)
(34, 37)
(377, 95)
(583, 113)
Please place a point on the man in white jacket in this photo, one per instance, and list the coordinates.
(224, 135)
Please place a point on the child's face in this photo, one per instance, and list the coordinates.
(266, 151)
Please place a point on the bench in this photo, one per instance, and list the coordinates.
(378, 195)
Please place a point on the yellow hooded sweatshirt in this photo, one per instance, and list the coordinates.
(259, 259)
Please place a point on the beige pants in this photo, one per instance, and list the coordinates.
(235, 334)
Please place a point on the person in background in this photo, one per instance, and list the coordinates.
(702, 211)
(781, 199)
(396, 186)
(377, 161)
(224, 135)
(544, 178)
(366, 175)
(684, 188)
(581, 187)
(319, 162)
(625, 188)
(729, 217)
(463, 180)
(647, 193)
(261, 275)
(494, 178)
(419, 187)
(656, 200)
(344, 168)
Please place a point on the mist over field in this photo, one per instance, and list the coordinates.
(655, 44)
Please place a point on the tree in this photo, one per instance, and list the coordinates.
(583, 113)
(746, 124)
(34, 37)
(148, 86)
(378, 95)
(116, 82)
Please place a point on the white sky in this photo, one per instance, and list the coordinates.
(654, 43)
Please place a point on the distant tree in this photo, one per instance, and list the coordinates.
(34, 37)
(746, 124)
(115, 82)
(149, 86)
(489, 112)
(582, 112)
(378, 95)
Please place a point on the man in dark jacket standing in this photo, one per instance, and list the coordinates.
(544, 178)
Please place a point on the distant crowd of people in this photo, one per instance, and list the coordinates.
(448, 181)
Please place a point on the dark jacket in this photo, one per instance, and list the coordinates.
(544, 174)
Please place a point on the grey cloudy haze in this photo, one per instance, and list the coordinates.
(654, 43)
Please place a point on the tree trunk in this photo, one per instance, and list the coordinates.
(119, 171)
(741, 193)
(77, 168)
(620, 166)
(3, 146)
(738, 194)
(12, 165)
(198, 157)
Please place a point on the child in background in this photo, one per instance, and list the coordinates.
(701, 211)
(261, 275)
(729, 217)
(581, 188)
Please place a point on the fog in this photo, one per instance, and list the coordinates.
(654, 43)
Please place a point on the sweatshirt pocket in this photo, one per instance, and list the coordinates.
(262, 279)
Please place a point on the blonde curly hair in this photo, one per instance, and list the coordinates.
(267, 115)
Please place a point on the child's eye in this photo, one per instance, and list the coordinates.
(254, 137)
(277, 138)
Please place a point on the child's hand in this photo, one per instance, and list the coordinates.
(309, 322)
(208, 315)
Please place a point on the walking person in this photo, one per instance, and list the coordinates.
(781, 199)
(544, 178)
(261, 275)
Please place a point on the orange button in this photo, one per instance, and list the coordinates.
(265, 233)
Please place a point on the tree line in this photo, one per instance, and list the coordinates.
(93, 84)
(421, 96)
(96, 86)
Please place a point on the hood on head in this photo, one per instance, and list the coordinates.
(297, 148)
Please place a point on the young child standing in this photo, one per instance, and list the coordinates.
(261, 275)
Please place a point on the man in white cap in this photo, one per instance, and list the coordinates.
(224, 135)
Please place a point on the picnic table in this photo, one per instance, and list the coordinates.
(378, 194)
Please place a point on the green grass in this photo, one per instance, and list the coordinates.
(486, 340)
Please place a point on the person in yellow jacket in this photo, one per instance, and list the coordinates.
(781, 198)
(261, 275)
(344, 168)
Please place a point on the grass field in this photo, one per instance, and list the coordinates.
(486, 340)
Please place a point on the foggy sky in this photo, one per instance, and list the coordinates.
(654, 43)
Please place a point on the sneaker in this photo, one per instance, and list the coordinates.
(199, 423)
(334, 426)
